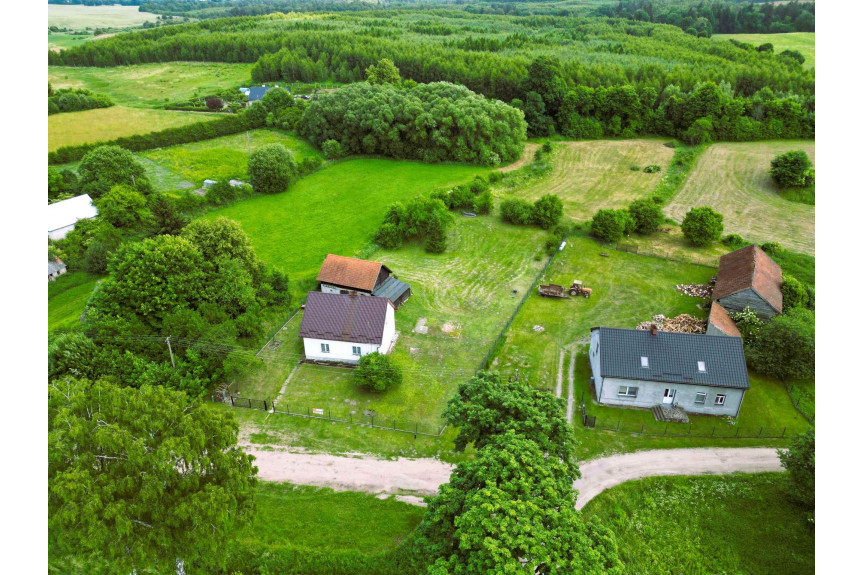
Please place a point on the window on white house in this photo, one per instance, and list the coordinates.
(701, 367)
(720, 399)
(627, 391)
(700, 397)
(325, 348)
(644, 362)
(356, 350)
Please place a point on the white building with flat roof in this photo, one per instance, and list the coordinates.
(63, 215)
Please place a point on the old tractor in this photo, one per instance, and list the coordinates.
(576, 289)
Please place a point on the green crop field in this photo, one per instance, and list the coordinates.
(67, 296)
(79, 17)
(63, 41)
(335, 210)
(108, 123)
(152, 85)
(734, 180)
(803, 42)
(222, 158)
(722, 524)
(592, 175)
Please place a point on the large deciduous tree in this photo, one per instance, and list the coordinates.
(272, 169)
(784, 347)
(799, 460)
(702, 226)
(139, 479)
(792, 170)
(107, 166)
(377, 372)
(124, 207)
(384, 72)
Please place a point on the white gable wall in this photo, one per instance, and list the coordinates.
(343, 350)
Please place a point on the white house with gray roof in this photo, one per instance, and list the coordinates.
(646, 368)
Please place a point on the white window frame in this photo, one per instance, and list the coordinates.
(356, 350)
(624, 391)
(645, 363)
(702, 367)
(719, 399)
(325, 348)
(703, 396)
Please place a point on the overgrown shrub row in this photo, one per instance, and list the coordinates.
(544, 212)
(474, 197)
(75, 100)
(226, 126)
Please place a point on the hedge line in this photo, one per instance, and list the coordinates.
(169, 137)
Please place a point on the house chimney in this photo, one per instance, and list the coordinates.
(653, 329)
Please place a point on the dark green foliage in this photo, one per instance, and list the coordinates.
(436, 240)
(734, 241)
(785, 346)
(516, 211)
(793, 55)
(107, 166)
(167, 218)
(766, 47)
(223, 193)
(799, 460)
(484, 203)
(647, 214)
(546, 147)
(652, 169)
(75, 100)
(124, 207)
(230, 124)
(547, 211)
(611, 225)
(431, 122)
(62, 184)
(479, 185)
(377, 372)
(792, 170)
(389, 236)
(421, 218)
(795, 294)
(332, 149)
(116, 498)
(772, 248)
(487, 406)
(495, 177)
(702, 226)
(272, 169)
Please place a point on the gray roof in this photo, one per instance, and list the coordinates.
(257, 92)
(391, 288)
(343, 317)
(672, 357)
(54, 267)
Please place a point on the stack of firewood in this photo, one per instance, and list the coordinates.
(683, 323)
(695, 290)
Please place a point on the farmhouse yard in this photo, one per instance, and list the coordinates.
(734, 179)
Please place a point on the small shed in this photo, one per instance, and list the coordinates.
(720, 323)
(56, 268)
(63, 215)
(749, 278)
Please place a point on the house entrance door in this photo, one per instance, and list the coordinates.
(668, 397)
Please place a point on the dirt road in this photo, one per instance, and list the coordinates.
(601, 474)
(409, 478)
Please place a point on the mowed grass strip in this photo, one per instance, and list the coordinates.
(734, 179)
(592, 175)
(803, 42)
(67, 296)
(716, 524)
(79, 17)
(321, 519)
(335, 210)
(223, 158)
(152, 85)
(106, 124)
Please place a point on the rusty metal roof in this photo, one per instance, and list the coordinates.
(750, 267)
(350, 272)
(343, 317)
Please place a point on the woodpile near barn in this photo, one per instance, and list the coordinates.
(684, 323)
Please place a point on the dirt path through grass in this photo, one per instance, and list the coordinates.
(604, 473)
(529, 150)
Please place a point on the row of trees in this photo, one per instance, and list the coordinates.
(75, 100)
(430, 122)
(511, 509)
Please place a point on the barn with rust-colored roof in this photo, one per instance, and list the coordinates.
(343, 275)
(720, 323)
(749, 278)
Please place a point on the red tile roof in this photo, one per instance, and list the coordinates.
(349, 272)
(720, 319)
(750, 267)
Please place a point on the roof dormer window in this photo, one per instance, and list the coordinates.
(644, 362)
(702, 368)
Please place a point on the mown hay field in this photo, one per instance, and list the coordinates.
(742, 523)
(803, 42)
(106, 124)
(79, 17)
(734, 179)
(597, 174)
(152, 85)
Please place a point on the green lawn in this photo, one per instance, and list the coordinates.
(324, 520)
(152, 85)
(221, 158)
(79, 17)
(803, 42)
(63, 41)
(335, 210)
(67, 296)
(105, 124)
(713, 524)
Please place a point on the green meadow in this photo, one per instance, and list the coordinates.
(67, 296)
(803, 42)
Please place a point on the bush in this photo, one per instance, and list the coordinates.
(785, 346)
(771, 248)
(647, 215)
(479, 185)
(495, 177)
(377, 372)
(436, 239)
(701, 226)
(610, 225)
(223, 193)
(484, 204)
(733, 241)
(635, 168)
(332, 149)
(425, 218)
(389, 236)
(547, 211)
(794, 293)
(309, 165)
(460, 198)
(124, 207)
(546, 147)
(272, 169)
(792, 170)
(799, 461)
(516, 211)
(652, 169)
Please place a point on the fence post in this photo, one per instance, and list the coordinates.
(618, 425)
(642, 429)
(373, 421)
(309, 411)
(713, 431)
(265, 405)
(783, 432)
(232, 400)
(737, 432)
(250, 403)
(760, 430)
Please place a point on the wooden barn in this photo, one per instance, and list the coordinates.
(343, 275)
(749, 278)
